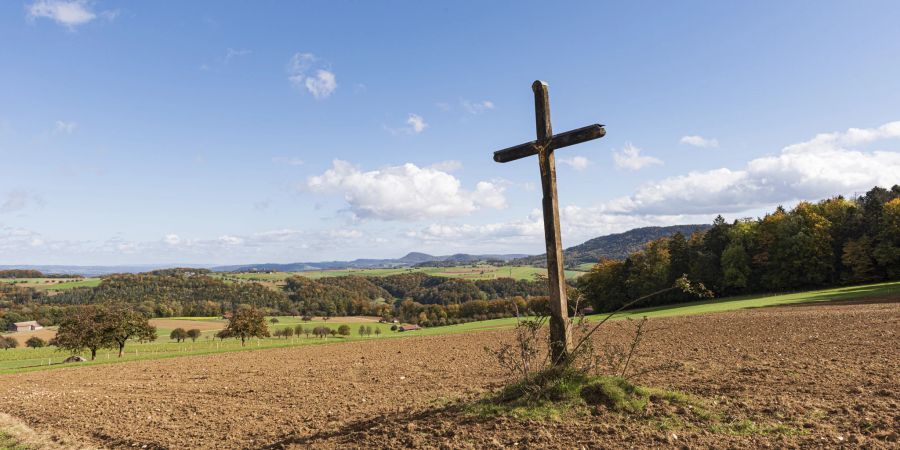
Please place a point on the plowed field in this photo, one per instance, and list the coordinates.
(817, 375)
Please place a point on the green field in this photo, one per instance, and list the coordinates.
(479, 272)
(52, 284)
(24, 359)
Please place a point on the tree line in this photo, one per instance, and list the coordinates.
(833, 242)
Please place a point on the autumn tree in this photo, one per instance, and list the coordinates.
(7, 342)
(119, 324)
(223, 334)
(193, 334)
(247, 323)
(858, 261)
(178, 334)
(82, 329)
(887, 247)
(35, 342)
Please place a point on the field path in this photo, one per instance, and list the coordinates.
(821, 368)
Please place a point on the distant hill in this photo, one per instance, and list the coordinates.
(93, 271)
(410, 259)
(613, 246)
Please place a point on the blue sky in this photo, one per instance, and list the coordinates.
(238, 132)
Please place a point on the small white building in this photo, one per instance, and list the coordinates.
(31, 325)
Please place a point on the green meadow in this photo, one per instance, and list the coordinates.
(52, 284)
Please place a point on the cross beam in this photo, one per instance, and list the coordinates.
(543, 146)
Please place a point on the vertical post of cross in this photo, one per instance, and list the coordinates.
(560, 332)
(543, 147)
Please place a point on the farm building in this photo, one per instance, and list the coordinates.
(31, 325)
(409, 328)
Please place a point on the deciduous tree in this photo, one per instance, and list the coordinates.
(247, 323)
(178, 334)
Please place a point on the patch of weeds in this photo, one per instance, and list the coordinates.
(557, 393)
(7, 442)
(617, 394)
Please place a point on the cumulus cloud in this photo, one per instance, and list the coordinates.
(450, 165)
(306, 72)
(826, 165)
(630, 158)
(70, 13)
(61, 127)
(578, 163)
(172, 239)
(406, 192)
(578, 224)
(700, 141)
(476, 108)
(530, 228)
(415, 125)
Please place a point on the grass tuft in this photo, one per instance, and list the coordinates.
(556, 393)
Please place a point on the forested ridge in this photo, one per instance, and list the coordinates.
(612, 246)
(832, 242)
(196, 292)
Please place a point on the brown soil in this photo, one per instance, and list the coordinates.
(817, 376)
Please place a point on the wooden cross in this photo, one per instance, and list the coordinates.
(546, 143)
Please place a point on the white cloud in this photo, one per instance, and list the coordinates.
(231, 240)
(630, 158)
(172, 239)
(344, 234)
(578, 163)
(477, 107)
(289, 160)
(700, 141)
(281, 235)
(530, 228)
(578, 224)
(70, 13)
(61, 127)
(416, 123)
(821, 167)
(450, 165)
(321, 83)
(406, 192)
